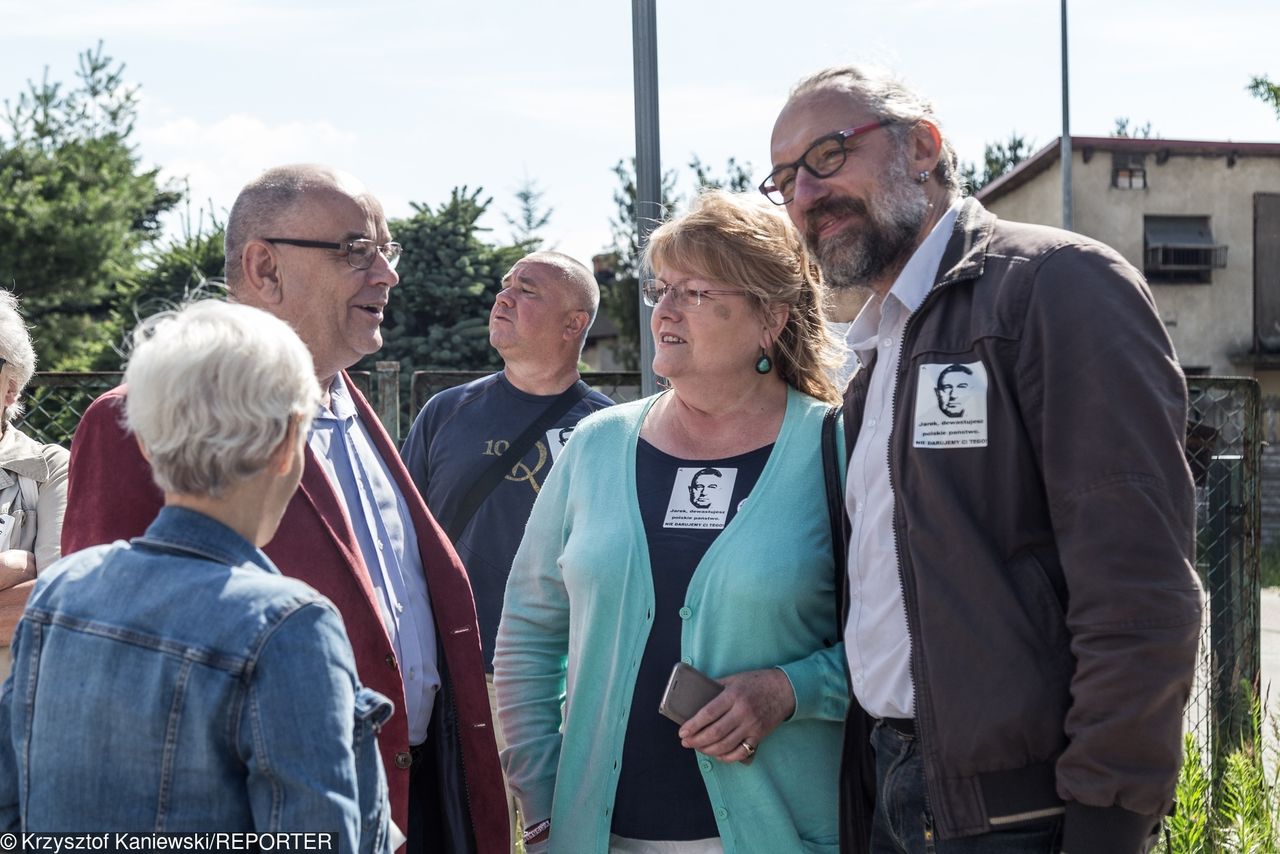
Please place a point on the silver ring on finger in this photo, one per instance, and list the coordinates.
(747, 746)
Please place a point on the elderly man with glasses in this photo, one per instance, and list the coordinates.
(310, 245)
(1022, 613)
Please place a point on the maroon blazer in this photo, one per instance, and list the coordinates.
(111, 496)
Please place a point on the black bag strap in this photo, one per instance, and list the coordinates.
(835, 511)
(520, 446)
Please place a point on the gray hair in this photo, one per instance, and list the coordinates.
(212, 388)
(15, 347)
(887, 97)
(268, 199)
(574, 274)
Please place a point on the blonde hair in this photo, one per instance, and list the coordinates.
(740, 239)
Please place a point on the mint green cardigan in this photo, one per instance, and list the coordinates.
(578, 609)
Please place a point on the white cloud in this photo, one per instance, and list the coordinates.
(217, 158)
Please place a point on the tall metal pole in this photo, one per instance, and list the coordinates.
(1066, 131)
(644, 41)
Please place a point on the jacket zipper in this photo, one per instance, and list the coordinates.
(908, 592)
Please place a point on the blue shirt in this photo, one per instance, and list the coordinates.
(180, 683)
(384, 530)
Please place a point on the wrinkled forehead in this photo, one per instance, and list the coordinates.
(811, 116)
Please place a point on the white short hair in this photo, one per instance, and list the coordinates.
(211, 390)
(15, 347)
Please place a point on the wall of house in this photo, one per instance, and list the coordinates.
(1207, 322)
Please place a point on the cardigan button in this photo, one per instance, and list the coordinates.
(685, 613)
(391, 661)
(403, 759)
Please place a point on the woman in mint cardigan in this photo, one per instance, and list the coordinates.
(690, 526)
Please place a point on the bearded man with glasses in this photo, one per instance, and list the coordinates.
(310, 245)
(1022, 610)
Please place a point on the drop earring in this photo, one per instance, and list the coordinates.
(764, 364)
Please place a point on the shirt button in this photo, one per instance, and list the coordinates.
(403, 759)
(886, 342)
(413, 674)
(859, 509)
(871, 422)
(685, 613)
(391, 661)
(704, 764)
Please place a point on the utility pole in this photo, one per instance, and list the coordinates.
(1065, 155)
(644, 46)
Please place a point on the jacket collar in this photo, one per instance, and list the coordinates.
(966, 254)
(23, 455)
(180, 529)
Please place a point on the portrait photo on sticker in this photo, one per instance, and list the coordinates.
(951, 405)
(700, 497)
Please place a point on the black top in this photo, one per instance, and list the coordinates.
(684, 504)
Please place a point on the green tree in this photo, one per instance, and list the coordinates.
(1265, 91)
(77, 211)
(531, 218)
(620, 279)
(1127, 130)
(997, 159)
(449, 276)
(181, 268)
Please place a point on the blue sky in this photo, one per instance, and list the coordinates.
(418, 97)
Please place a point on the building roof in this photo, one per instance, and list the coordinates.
(1163, 149)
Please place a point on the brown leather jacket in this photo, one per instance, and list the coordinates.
(1045, 524)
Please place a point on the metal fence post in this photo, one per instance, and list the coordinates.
(386, 381)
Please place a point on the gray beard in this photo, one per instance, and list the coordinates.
(858, 256)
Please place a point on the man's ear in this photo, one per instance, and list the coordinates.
(576, 324)
(924, 147)
(261, 273)
(11, 394)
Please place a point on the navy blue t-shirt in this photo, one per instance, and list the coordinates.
(685, 505)
(458, 434)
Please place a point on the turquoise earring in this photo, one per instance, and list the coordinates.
(764, 364)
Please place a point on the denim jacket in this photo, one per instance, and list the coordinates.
(179, 683)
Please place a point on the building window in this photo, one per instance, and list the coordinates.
(1128, 171)
(1180, 250)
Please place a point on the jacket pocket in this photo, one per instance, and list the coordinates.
(1044, 606)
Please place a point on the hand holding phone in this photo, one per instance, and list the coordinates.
(688, 690)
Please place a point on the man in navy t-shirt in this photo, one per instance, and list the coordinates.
(538, 324)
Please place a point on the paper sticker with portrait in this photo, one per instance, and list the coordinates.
(556, 438)
(700, 497)
(951, 406)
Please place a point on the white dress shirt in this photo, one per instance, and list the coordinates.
(876, 638)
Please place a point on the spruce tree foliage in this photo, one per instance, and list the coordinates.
(997, 159)
(532, 217)
(1265, 91)
(77, 212)
(438, 318)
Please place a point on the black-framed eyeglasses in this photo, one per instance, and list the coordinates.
(359, 253)
(654, 290)
(821, 160)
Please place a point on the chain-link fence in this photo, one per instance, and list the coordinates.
(1223, 447)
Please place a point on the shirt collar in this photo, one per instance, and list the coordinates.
(909, 289)
(341, 407)
(193, 532)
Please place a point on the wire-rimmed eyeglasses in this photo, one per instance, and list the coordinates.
(821, 160)
(359, 253)
(654, 290)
